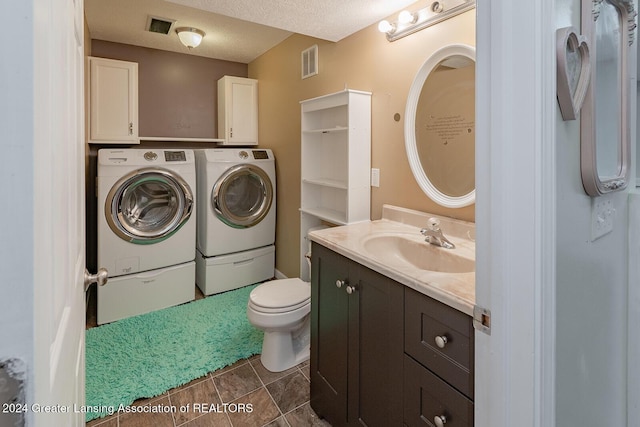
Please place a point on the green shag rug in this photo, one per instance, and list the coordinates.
(146, 355)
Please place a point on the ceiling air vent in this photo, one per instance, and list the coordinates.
(159, 25)
(310, 61)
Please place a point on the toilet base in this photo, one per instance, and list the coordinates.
(284, 350)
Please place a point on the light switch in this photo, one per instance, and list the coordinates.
(375, 177)
(602, 216)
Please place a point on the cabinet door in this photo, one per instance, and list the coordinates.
(376, 350)
(113, 101)
(238, 111)
(329, 335)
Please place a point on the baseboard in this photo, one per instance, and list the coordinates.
(279, 275)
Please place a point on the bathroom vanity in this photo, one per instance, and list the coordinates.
(392, 343)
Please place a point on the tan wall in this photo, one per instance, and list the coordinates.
(363, 61)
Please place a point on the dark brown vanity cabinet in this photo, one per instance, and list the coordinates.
(356, 343)
(383, 354)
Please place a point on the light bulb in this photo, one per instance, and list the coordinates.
(406, 17)
(385, 27)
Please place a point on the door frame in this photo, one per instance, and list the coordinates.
(516, 114)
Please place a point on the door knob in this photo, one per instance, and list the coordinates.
(100, 278)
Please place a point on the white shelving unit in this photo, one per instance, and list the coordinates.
(335, 164)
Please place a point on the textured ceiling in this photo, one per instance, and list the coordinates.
(236, 30)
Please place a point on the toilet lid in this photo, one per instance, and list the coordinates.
(281, 294)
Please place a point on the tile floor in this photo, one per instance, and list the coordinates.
(276, 399)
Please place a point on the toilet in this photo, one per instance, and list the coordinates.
(281, 308)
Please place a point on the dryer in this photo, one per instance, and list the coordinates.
(146, 230)
(236, 218)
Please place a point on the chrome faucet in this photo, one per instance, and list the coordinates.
(433, 234)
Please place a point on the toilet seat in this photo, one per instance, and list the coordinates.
(278, 296)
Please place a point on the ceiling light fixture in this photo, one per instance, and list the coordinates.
(190, 37)
(436, 11)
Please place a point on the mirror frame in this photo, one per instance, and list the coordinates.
(593, 184)
(410, 122)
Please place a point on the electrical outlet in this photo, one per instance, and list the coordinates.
(375, 177)
(602, 215)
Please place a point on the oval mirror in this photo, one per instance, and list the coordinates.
(439, 126)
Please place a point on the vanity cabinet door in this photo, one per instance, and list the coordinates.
(329, 335)
(376, 327)
(356, 343)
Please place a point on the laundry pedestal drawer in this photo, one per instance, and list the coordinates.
(133, 294)
(225, 272)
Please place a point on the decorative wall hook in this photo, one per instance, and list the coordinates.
(573, 71)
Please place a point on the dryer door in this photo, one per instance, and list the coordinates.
(242, 196)
(148, 205)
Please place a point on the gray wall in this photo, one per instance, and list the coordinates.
(177, 93)
(591, 286)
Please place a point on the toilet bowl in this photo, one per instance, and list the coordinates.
(281, 308)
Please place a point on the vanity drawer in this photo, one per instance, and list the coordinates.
(427, 398)
(428, 324)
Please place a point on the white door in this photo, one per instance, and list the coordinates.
(516, 212)
(59, 221)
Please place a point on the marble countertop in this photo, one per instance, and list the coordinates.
(454, 289)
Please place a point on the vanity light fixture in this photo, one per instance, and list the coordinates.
(436, 11)
(189, 36)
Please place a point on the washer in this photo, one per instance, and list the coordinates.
(146, 230)
(236, 217)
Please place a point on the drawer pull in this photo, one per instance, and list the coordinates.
(439, 420)
(351, 289)
(441, 341)
(340, 283)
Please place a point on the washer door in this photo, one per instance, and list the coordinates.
(148, 205)
(242, 196)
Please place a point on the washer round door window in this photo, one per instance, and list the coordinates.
(148, 206)
(242, 196)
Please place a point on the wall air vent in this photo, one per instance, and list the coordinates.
(159, 25)
(310, 61)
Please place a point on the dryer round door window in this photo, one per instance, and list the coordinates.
(148, 206)
(242, 196)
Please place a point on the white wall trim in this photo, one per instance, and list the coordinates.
(516, 212)
(633, 350)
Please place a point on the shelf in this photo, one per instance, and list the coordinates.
(326, 182)
(329, 215)
(327, 130)
(179, 139)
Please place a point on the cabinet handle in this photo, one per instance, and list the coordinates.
(230, 132)
(351, 289)
(130, 128)
(340, 283)
(441, 341)
(439, 420)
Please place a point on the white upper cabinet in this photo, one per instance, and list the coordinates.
(113, 105)
(238, 111)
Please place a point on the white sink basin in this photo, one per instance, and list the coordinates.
(415, 252)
